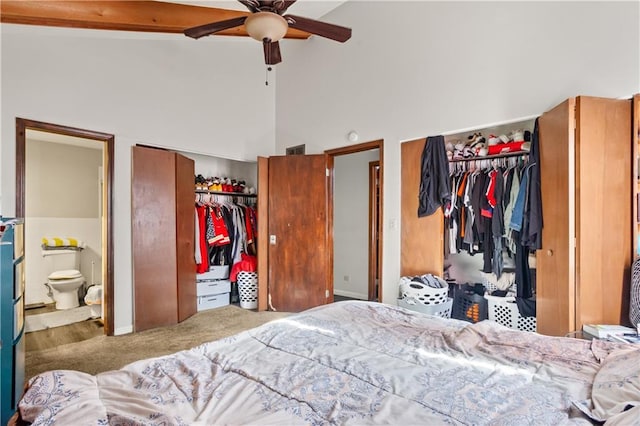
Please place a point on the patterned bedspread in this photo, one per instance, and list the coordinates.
(344, 363)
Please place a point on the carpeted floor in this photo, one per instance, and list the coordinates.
(105, 353)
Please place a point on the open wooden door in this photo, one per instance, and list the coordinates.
(422, 240)
(603, 209)
(185, 240)
(162, 232)
(296, 231)
(556, 261)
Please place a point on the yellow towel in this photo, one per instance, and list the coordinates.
(61, 242)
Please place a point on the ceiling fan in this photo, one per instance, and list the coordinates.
(267, 24)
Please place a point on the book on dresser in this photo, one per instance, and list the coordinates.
(625, 338)
(602, 331)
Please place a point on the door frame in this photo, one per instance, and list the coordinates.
(330, 155)
(22, 125)
(375, 227)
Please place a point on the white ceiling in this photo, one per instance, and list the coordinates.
(314, 9)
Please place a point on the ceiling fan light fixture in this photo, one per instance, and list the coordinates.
(266, 25)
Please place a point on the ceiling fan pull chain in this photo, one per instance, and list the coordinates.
(266, 76)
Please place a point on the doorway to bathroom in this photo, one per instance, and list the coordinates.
(64, 178)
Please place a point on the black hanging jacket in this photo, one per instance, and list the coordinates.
(435, 186)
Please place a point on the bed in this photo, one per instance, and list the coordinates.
(356, 363)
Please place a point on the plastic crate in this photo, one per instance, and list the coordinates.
(442, 310)
(469, 307)
(504, 310)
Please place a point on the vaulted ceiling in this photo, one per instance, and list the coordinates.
(148, 16)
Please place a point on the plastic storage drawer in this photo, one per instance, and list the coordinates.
(213, 301)
(204, 288)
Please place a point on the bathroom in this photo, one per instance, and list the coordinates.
(63, 199)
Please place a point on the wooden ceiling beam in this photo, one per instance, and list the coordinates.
(146, 16)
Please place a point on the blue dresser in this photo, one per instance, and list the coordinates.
(12, 347)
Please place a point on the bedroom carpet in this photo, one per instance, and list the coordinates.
(104, 353)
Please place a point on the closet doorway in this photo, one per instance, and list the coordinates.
(56, 137)
(354, 223)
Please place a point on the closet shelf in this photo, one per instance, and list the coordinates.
(235, 194)
(489, 157)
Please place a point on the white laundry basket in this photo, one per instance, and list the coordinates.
(423, 293)
(442, 310)
(248, 289)
(504, 310)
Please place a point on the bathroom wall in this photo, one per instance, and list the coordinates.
(62, 199)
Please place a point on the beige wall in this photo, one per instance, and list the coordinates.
(61, 180)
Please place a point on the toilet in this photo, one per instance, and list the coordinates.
(64, 279)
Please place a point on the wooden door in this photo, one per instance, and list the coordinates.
(635, 177)
(297, 236)
(263, 233)
(153, 233)
(555, 262)
(185, 238)
(603, 210)
(422, 239)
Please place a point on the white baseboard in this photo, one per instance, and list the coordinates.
(123, 330)
(352, 294)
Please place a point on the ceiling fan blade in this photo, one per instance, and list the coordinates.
(214, 27)
(323, 29)
(271, 53)
(252, 5)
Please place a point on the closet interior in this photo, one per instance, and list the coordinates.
(481, 236)
(580, 274)
(226, 232)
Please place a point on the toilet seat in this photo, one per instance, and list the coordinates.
(67, 274)
(78, 280)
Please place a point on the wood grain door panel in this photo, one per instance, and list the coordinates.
(263, 233)
(185, 237)
(422, 239)
(603, 209)
(153, 211)
(555, 270)
(298, 221)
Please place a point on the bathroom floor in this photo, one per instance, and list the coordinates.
(44, 309)
(56, 336)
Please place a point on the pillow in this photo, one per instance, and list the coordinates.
(616, 386)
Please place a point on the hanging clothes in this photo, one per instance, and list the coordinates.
(203, 266)
(435, 190)
(225, 231)
(533, 233)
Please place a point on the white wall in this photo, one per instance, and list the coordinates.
(206, 96)
(351, 224)
(417, 68)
